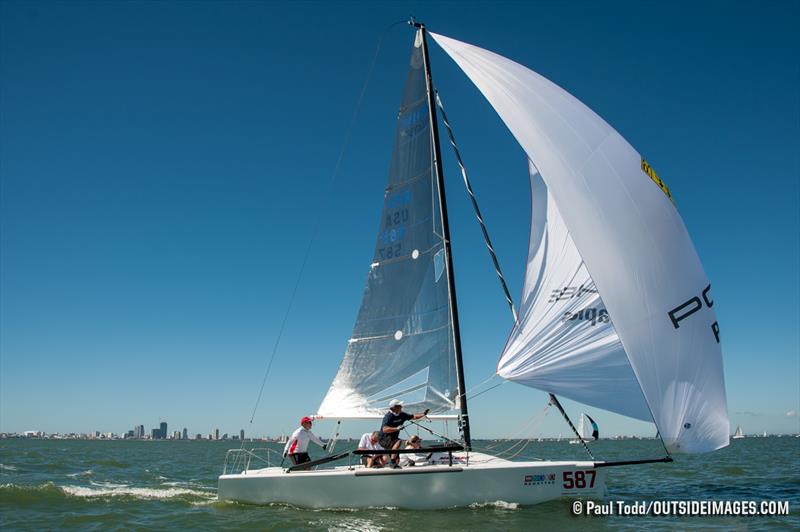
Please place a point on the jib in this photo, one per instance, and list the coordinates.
(686, 309)
(592, 315)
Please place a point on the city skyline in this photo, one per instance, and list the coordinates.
(138, 433)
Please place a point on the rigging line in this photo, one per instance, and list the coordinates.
(477, 210)
(488, 389)
(334, 437)
(432, 432)
(527, 442)
(530, 426)
(318, 221)
(469, 392)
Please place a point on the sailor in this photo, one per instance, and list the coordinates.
(297, 446)
(391, 425)
(369, 442)
(411, 459)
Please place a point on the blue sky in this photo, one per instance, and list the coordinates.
(162, 167)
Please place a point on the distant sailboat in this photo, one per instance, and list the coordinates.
(739, 434)
(582, 430)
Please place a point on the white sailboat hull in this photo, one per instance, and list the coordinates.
(420, 487)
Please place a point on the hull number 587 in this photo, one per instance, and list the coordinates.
(579, 479)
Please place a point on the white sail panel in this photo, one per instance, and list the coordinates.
(402, 344)
(631, 238)
(565, 342)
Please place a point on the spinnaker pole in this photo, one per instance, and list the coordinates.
(461, 398)
(555, 402)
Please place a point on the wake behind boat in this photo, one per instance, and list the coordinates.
(616, 310)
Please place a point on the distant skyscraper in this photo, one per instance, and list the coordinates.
(155, 434)
(216, 434)
(164, 429)
(185, 434)
(241, 434)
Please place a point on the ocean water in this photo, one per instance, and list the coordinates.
(62, 484)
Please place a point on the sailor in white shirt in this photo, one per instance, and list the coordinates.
(369, 441)
(411, 459)
(297, 446)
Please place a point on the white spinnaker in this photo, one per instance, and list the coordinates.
(632, 240)
(565, 341)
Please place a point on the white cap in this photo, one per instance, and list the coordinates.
(395, 402)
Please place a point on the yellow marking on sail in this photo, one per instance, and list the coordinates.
(647, 169)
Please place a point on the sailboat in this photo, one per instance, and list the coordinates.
(582, 433)
(738, 435)
(616, 311)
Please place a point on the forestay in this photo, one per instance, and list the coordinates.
(402, 342)
(635, 248)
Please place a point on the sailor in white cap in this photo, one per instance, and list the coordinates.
(391, 425)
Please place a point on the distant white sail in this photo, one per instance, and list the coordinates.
(581, 430)
(633, 243)
(738, 434)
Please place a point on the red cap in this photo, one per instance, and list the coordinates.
(306, 419)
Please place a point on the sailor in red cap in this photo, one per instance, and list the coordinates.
(297, 446)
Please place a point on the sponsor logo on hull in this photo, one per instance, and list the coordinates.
(537, 480)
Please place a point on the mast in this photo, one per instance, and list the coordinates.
(437, 161)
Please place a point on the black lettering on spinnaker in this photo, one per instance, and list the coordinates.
(709, 302)
(673, 314)
(684, 310)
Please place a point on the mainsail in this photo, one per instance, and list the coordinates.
(634, 250)
(402, 342)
